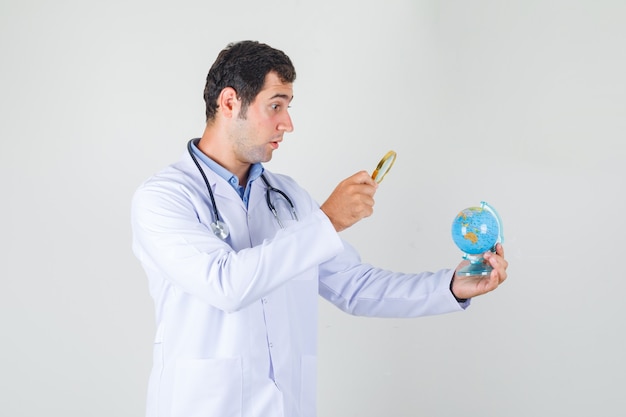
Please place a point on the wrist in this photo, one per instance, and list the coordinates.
(459, 300)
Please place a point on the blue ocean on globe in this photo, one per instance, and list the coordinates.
(475, 230)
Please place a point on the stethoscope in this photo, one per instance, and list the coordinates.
(218, 227)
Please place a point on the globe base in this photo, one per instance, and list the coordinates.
(475, 269)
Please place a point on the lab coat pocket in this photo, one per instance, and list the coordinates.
(284, 215)
(207, 387)
(308, 386)
(287, 222)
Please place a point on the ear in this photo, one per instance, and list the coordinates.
(228, 102)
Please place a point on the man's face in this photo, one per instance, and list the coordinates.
(257, 133)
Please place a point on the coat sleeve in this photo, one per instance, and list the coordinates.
(173, 246)
(363, 290)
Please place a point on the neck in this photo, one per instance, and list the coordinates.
(216, 149)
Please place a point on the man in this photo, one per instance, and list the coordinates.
(236, 255)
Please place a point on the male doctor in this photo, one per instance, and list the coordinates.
(236, 255)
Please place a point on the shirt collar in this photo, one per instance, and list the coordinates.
(256, 170)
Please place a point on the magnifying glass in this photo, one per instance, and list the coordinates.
(384, 166)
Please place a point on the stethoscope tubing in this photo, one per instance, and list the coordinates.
(216, 214)
(220, 229)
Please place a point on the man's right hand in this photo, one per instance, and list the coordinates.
(352, 200)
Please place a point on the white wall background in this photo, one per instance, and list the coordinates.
(519, 103)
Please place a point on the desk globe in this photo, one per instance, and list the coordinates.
(476, 230)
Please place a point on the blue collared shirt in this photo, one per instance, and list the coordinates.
(255, 172)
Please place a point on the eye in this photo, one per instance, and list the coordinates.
(275, 106)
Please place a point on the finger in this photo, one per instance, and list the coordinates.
(365, 204)
(499, 265)
(494, 279)
(363, 177)
(365, 189)
(366, 200)
(500, 249)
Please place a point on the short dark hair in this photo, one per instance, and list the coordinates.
(243, 67)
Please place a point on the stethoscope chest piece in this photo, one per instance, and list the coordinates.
(220, 229)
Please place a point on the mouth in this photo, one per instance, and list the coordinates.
(275, 144)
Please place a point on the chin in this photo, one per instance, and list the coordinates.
(268, 157)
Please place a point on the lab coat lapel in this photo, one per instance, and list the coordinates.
(257, 194)
(220, 187)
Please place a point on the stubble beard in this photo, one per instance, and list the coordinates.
(246, 146)
(250, 153)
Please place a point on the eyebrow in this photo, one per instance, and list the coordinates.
(283, 96)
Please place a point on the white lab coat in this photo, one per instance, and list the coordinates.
(237, 320)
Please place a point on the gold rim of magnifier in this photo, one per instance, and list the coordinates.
(389, 155)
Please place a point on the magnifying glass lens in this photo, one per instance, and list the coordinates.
(384, 166)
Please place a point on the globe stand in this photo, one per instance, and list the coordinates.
(477, 266)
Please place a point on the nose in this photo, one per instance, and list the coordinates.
(285, 124)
